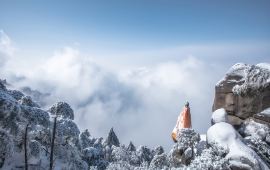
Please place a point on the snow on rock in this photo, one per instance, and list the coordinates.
(256, 137)
(255, 129)
(260, 147)
(200, 146)
(159, 161)
(264, 65)
(211, 158)
(266, 112)
(267, 139)
(244, 91)
(239, 154)
(221, 133)
(62, 109)
(220, 115)
(263, 116)
(179, 155)
(253, 78)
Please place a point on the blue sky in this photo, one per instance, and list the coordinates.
(121, 26)
(130, 64)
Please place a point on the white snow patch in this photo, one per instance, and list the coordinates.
(225, 136)
(266, 112)
(203, 137)
(264, 65)
(220, 115)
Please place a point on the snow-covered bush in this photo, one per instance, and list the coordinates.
(211, 158)
(131, 147)
(67, 131)
(35, 116)
(134, 158)
(9, 111)
(86, 140)
(112, 139)
(159, 162)
(119, 154)
(69, 155)
(145, 154)
(16, 94)
(158, 150)
(120, 165)
(94, 157)
(2, 85)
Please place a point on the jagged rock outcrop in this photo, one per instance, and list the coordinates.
(183, 151)
(244, 92)
(240, 156)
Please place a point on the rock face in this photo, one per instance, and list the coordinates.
(244, 91)
(240, 156)
(183, 150)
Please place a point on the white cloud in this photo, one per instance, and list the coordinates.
(142, 104)
(6, 44)
(6, 47)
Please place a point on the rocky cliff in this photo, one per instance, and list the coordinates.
(244, 92)
(244, 96)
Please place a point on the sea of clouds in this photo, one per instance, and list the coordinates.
(141, 103)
